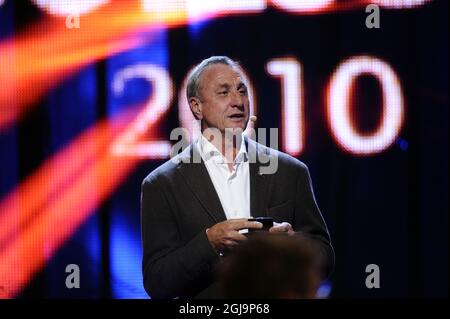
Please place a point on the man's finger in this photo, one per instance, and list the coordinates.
(238, 237)
(256, 225)
(242, 223)
(283, 227)
(231, 243)
(247, 224)
(237, 220)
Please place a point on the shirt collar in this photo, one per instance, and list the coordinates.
(208, 151)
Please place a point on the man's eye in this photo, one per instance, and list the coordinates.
(223, 92)
(243, 92)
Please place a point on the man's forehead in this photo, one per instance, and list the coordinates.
(222, 73)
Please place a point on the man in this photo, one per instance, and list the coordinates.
(193, 212)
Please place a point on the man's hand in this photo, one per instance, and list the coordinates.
(226, 234)
(282, 228)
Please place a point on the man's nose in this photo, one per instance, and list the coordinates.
(237, 99)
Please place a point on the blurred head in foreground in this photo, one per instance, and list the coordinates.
(271, 266)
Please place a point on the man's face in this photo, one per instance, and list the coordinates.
(223, 98)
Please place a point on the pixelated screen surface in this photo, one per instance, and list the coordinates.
(91, 90)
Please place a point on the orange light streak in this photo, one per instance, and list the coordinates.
(47, 52)
(47, 208)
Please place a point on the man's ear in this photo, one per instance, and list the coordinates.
(196, 107)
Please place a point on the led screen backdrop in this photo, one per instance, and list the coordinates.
(90, 91)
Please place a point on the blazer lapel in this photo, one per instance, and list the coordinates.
(197, 177)
(258, 182)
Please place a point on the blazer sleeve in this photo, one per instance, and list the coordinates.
(309, 221)
(170, 268)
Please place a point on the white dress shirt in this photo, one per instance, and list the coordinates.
(233, 187)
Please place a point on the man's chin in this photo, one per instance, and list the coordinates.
(236, 126)
(236, 129)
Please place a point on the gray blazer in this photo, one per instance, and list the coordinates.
(178, 203)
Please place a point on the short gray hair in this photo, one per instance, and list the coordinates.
(194, 77)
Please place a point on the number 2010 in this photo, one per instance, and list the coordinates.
(289, 71)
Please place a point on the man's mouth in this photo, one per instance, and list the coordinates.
(237, 116)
